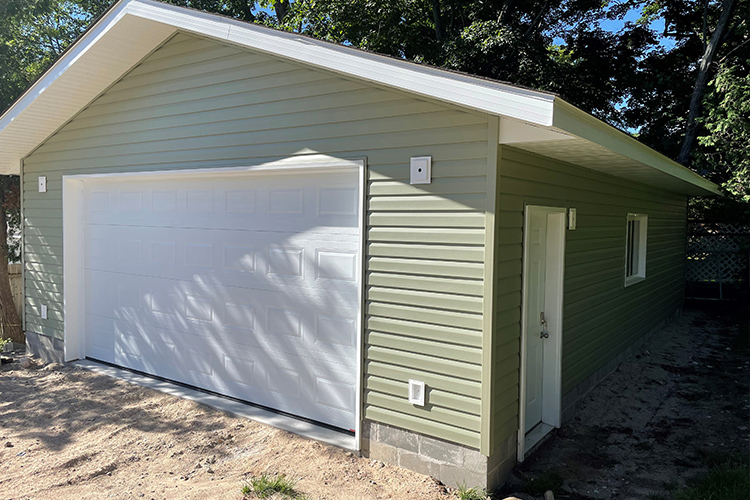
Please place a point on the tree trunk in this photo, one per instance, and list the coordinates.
(696, 101)
(505, 11)
(282, 9)
(247, 11)
(11, 324)
(436, 14)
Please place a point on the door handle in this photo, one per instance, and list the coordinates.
(543, 322)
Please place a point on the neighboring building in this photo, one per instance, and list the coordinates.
(309, 227)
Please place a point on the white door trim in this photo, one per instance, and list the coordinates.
(551, 403)
(73, 244)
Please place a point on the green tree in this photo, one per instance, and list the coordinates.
(505, 40)
(723, 152)
(727, 124)
(664, 80)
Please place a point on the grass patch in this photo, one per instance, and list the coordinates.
(465, 493)
(266, 486)
(729, 480)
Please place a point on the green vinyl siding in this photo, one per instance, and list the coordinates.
(601, 316)
(196, 104)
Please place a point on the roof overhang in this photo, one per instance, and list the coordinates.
(132, 29)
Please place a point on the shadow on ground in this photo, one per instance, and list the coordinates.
(64, 409)
(67, 433)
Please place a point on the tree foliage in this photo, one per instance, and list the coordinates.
(659, 104)
(727, 123)
(543, 44)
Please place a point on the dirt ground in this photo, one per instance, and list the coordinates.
(663, 417)
(67, 433)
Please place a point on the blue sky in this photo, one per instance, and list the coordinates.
(632, 16)
(615, 25)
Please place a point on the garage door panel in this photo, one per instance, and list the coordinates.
(247, 287)
(323, 323)
(191, 358)
(100, 338)
(258, 374)
(272, 203)
(265, 260)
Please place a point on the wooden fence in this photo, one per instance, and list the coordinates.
(16, 286)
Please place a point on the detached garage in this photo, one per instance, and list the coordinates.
(434, 265)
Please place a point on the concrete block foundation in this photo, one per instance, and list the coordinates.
(452, 464)
(46, 348)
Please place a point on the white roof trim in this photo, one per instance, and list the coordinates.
(61, 66)
(483, 95)
(132, 29)
(581, 124)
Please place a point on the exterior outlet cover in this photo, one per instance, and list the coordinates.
(42, 183)
(421, 169)
(572, 219)
(416, 392)
(44, 311)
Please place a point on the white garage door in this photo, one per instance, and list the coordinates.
(244, 285)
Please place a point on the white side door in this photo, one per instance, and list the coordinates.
(536, 268)
(541, 337)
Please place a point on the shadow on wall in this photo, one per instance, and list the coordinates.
(248, 286)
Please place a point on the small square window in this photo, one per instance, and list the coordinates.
(635, 248)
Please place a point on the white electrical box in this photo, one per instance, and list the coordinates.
(572, 219)
(421, 169)
(44, 311)
(416, 392)
(42, 183)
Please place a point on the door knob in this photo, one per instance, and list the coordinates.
(543, 322)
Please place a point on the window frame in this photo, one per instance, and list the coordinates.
(633, 277)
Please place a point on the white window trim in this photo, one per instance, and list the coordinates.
(642, 248)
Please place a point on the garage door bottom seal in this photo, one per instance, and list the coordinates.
(295, 425)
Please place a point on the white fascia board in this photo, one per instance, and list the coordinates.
(474, 93)
(109, 49)
(63, 64)
(579, 123)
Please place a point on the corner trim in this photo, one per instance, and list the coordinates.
(488, 309)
